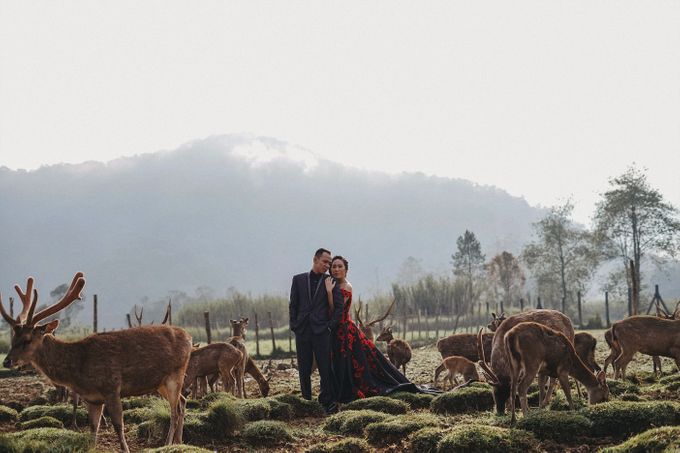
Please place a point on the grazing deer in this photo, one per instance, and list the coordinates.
(585, 343)
(104, 367)
(531, 347)
(498, 372)
(457, 365)
(648, 335)
(464, 345)
(238, 341)
(215, 358)
(255, 373)
(496, 321)
(398, 351)
(367, 327)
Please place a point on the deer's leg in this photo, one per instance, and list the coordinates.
(75, 399)
(564, 383)
(243, 377)
(622, 362)
(542, 381)
(656, 361)
(548, 395)
(94, 413)
(115, 408)
(522, 388)
(182, 404)
(513, 395)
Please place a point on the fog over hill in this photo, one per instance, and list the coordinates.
(235, 211)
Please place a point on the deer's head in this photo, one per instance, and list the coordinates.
(600, 393)
(239, 327)
(386, 334)
(495, 321)
(28, 335)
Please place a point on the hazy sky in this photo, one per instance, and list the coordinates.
(545, 99)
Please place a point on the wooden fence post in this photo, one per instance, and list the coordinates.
(436, 324)
(129, 320)
(427, 324)
(580, 316)
(564, 304)
(404, 329)
(94, 320)
(206, 316)
(538, 305)
(606, 306)
(271, 327)
(630, 302)
(257, 337)
(420, 333)
(521, 304)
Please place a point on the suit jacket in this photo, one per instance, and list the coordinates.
(309, 306)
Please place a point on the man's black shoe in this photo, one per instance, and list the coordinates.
(331, 409)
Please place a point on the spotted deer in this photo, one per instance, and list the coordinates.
(398, 351)
(367, 327)
(531, 347)
(102, 368)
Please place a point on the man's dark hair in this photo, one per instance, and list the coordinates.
(321, 252)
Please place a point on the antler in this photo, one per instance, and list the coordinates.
(71, 295)
(139, 316)
(12, 322)
(357, 312)
(167, 313)
(486, 370)
(25, 300)
(382, 318)
(661, 313)
(676, 312)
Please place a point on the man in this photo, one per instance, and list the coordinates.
(312, 322)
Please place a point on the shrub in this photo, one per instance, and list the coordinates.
(393, 431)
(254, 409)
(415, 400)
(279, 410)
(7, 414)
(353, 422)
(490, 439)
(557, 426)
(378, 404)
(42, 422)
(62, 412)
(53, 440)
(266, 433)
(301, 407)
(652, 441)
(425, 440)
(623, 418)
(349, 445)
(465, 399)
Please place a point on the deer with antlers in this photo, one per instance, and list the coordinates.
(531, 347)
(102, 368)
(367, 327)
(398, 351)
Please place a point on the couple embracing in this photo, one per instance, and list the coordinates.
(350, 366)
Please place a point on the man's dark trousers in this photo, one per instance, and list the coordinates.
(309, 345)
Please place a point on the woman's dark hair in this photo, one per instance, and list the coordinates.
(340, 257)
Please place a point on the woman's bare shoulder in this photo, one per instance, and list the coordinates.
(347, 286)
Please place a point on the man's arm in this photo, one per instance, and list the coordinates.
(338, 307)
(293, 304)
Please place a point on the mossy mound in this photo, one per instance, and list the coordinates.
(7, 414)
(266, 433)
(279, 410)
(671, 383)
(466, 399)
(378, 404)
(557, 426)
(623, 418)
(559, 402)
(657, 440)
(177, 449)
(42, 422)
(137, 415)
(630, 397)
(301, 407)
(394, 430)
(349, 445)
(425, 440)
(252, 410)
(617, 387)
(352, 423)
(490, 439)
(210, 398)
(223, 418)
(193, 404)
(415, 400)
(137, 402)
(62, 412)
(54, 440)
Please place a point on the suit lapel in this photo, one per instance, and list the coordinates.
(318, 285)
(309, 287)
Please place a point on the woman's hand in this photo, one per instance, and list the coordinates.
(330, 284)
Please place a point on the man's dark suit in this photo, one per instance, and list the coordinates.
(312, 323)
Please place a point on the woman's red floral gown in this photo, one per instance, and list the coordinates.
(360, 369)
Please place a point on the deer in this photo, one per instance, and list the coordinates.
(458, 365)
(495, 321)
(531, 347)
(498, 371)
(102, 368)
(464, 345)
(255, 373)
(367, 327)
(216, 358)
(398, 351)
(238, 340)
(648, 335)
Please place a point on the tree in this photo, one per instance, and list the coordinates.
(507, 275)
(410, 271)
(468, 265)
(563, 258)
(632, 219)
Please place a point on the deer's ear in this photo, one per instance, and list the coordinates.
(493, 315)
(50, 327)
(601, 378)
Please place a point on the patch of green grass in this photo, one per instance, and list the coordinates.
(137, 415)
(352, 423)
(42, 422)
(623, 418)
(177, 449)
(62, 412)
(489, 439)
(392, 431)
(279, 410)
(378, 404)
(224, 419)
(559, 402)
(415, 400)
(7, 414)
(349, 445)
(657, 440)
(266, 433)
(465, 399)
(156, 427)
(53, 440)
(210, 398)
(557, 426)
(617, 387)
(301, 407)
(425, 440)
(137, 402)
(255, 409)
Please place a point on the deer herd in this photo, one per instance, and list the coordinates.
(146, 359)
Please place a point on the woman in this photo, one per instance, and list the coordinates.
(359, 368)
